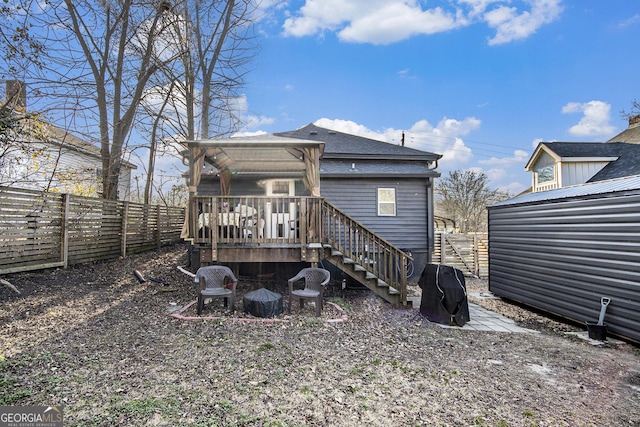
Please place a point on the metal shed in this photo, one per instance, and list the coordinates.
(562, 250)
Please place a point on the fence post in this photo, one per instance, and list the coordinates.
(125, 221)
(159, 231)
(476, 256)
(64, 249)
(443, 249)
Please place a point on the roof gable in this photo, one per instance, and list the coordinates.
(622, 156)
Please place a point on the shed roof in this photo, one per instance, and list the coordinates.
(626, 183)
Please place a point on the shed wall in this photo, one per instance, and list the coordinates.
(563, 255)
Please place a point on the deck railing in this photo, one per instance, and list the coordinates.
(253, 221)
(257, 220)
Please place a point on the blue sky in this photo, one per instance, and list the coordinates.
(479, 81)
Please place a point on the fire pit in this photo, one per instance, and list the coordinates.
(262, 303)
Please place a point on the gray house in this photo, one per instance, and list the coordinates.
(564, 249)
(387, 187)
(314, 195)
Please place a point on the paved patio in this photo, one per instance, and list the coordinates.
(486, 320)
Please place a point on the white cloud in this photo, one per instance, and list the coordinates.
(256, 121)
(536, 142)
(443, 139)
(519, 156)
(347, 126)
(388, 21)
(513, 188)
(510, 24)
(397, 21)
(458, 153)
(405, 74)
(595, 120)
(494, 174)
(245, 134)
(635, 19)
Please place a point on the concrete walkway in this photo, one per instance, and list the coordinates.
(483, 319)
(486, 320)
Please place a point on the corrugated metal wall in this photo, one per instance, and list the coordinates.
(562, 255)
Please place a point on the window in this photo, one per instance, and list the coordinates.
(386, 201)
(546, 173)
(280, 187)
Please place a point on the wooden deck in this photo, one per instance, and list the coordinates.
(250, 229)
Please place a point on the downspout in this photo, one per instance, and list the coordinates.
(430, 220)
(431, 215)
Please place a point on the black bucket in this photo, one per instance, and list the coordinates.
(597, 332)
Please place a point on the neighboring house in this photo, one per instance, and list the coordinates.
(49, 158)
(561, 164)
(59, 162)
(310, 195)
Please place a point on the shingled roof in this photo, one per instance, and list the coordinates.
(624, 156)
(344, 145)
(351, 156)
(631, 134)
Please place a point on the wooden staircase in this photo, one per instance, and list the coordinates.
(363, 255)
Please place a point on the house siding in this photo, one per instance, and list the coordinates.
(574, 173)
(563, 254)
(73, 172)
(406, 230)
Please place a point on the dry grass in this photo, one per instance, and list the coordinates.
(104, 346)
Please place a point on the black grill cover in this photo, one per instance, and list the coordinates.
(262, 303)
(444, 295)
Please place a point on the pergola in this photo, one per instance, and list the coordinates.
(263, 155)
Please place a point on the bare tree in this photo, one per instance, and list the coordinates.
(193, 97)
(19, 47)
(634, 112)
(20, 50)
(120, 43)
(105, 55)
(464, 196)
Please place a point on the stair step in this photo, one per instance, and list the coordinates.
(348, 261)
(382, 284)
(357, 267)
(335, 252)
(370, 276)
(393, 291)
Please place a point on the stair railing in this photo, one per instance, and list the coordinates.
(371, 252)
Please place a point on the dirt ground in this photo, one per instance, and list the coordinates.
(106, 348)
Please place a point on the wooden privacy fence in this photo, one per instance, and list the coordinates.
(42, 230)
(467, 252)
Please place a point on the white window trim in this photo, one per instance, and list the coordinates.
(379, 202)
